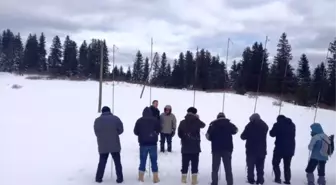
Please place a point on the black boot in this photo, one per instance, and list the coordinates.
(162, 149)
(251, 181)
(119, 180)
(169, 148)
(278, 181)
(287, 182)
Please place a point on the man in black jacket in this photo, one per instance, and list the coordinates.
(147, 128)
(220, 134)
(284, 132)
(255, 134)
(189, 132)
(155, 110)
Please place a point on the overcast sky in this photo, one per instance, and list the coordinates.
(178, 25)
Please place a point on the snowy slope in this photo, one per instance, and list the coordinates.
(46, 132)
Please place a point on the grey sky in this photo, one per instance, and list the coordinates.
(178, 25)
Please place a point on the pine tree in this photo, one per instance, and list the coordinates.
(162, 70)
(168, 75)
(304, 80)
(245, 72)
(138, 68)
(83, 61)
(31, 56)
(106, 61)
(7, 51)
(2, 57)
(18, 54)
(281, 82)
(216, 79)
(145, 71)
(42, 53)
(330, 95)
(128, 74)
(55, 57)
(189, 69)
(319, 84)
(176, 75)
(155, 69)
(66, 57)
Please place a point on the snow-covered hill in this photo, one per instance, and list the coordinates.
(47, 138)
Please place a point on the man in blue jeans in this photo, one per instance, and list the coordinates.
(147, 128)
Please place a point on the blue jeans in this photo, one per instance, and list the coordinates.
(152, 152)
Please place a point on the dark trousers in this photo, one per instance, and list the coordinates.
(287, 166)
(152, 152)
(258, 162)
(102, 164)
(216, 161)
(163, 138)
(186, 159)
(313, 163)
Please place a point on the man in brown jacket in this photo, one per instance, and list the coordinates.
(168, 128)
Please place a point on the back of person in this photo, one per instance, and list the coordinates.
(147, 128)
(107, 129)
(255, 134)
(189, 132)
(319, 143)
(220, 134)
(284, 131)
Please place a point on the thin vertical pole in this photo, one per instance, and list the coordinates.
(113, 80)
(319, 94)
(226, 62)
(260, 74)
(195, 76)
(150, 87)
(101, 77)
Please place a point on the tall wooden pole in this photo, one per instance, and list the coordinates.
(195, 76)
(150, 87)
(101, 77)
(113, 62)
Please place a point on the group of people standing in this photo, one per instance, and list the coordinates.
(220, 133)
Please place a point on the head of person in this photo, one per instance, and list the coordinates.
(316, 128)
(192, 110)
(255, 117)
(155, 103)
(147, 112)
(220, 115)
(106, 109)
(168, 109)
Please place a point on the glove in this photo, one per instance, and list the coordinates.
(173, 133)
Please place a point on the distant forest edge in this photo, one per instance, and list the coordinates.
(68, 61)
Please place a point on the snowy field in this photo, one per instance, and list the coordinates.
(47, 138)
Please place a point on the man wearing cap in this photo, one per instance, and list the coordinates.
(107, 128)
(220, 133)
(168, 128)
(189, 132)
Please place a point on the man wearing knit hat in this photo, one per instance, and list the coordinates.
(107, 128)
(220, 133)
(189, 132)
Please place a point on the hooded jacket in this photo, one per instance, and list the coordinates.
(255, 134)
(147, 128)
(189, 132)
(168, 121)
(220, 133)
(319, 143)
(284, 132)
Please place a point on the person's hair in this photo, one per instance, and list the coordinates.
(154, 101)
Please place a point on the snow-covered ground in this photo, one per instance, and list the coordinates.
(47, 138)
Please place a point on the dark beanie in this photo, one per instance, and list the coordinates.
(220, 115)
(192, 110)
(106, 109)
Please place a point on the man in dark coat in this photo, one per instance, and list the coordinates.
(284, 132)
(147, 128)
(189, 132)
(155, 110)
(255, 134)
(107, 128)
(220, 134)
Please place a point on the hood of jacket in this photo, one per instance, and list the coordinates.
(255, 117)
(191, 116)
(316, 128)
(147, 112)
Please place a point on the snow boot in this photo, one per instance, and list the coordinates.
(99, 181)
(118, 181)
(141, 176)
(194, 180)
(321, 180)
(278, 181)
(250, 181)
(310, 179)
(287, 182)
(156, 177)
(184, 178)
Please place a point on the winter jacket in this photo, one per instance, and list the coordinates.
(107, 128)
(220, 134)
(319, 143)
(189, 132)
(155, 112)
(255, 134)
(168, 123)
(147, 128)
(284, 132)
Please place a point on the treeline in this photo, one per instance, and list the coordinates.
(200, 70)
